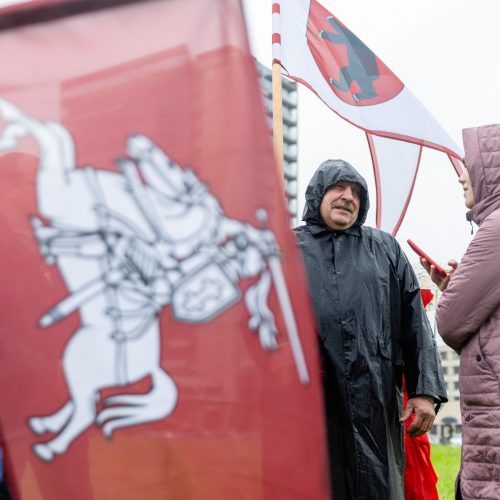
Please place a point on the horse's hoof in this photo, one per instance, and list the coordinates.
(37, 426)
(107, 432)
(44, 452)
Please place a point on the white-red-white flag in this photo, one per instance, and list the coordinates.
(316, 49)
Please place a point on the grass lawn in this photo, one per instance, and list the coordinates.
(446, 461)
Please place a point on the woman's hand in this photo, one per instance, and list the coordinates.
(440, 280)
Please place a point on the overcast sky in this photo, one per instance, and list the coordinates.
(447, 53)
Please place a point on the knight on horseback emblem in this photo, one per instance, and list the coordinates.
(128, 244)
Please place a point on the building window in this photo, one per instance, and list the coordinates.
(289, 114)
(291, 188)
(444, 355)
(290, 169)
(290, 149)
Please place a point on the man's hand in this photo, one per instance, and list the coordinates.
(440, 280)
(423, 409)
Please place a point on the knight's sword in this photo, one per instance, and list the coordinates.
(276, 270)
(289, 317)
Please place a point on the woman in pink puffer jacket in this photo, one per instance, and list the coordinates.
(468, 318)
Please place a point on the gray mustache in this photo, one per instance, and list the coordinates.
(342, 206)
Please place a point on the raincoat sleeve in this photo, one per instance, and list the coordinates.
(474, 290)
(421, 364)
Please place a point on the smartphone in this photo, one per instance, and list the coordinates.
(432, 262)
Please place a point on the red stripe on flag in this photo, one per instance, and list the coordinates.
(276, 38)
(457, 164)
(276, 8)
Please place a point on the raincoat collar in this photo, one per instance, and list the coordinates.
(354, 230)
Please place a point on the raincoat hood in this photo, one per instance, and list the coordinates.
(482, 157)
(329, 173)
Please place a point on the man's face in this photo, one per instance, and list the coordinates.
(464, 179)
(339, 207)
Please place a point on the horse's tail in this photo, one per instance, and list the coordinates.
(57, 151)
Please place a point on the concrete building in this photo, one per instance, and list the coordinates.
(289, 97)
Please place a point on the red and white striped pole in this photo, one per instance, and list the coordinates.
(276, 86)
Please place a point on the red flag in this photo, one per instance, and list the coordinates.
(420, 476)
(318, 50)
(155, 335)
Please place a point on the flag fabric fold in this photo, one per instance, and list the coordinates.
(317, 49)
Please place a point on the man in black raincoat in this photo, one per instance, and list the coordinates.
(372, 328)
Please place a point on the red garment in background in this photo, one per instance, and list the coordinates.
(427, 296)
(420, 476)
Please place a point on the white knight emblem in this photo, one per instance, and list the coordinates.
(127, 245)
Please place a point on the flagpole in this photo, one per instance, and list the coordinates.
(276, 89)
(278, 118)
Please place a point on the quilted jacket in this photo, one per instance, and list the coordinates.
(468, 319)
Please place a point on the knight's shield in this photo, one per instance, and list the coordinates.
(203, 294)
